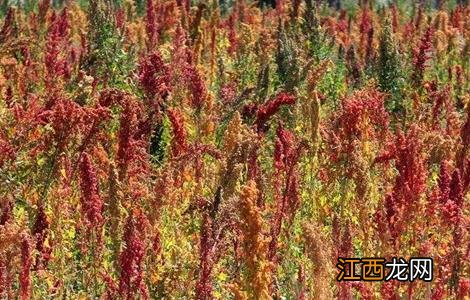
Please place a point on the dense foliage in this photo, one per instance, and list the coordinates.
(170, 149)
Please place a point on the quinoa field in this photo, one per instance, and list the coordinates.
(235, 149)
